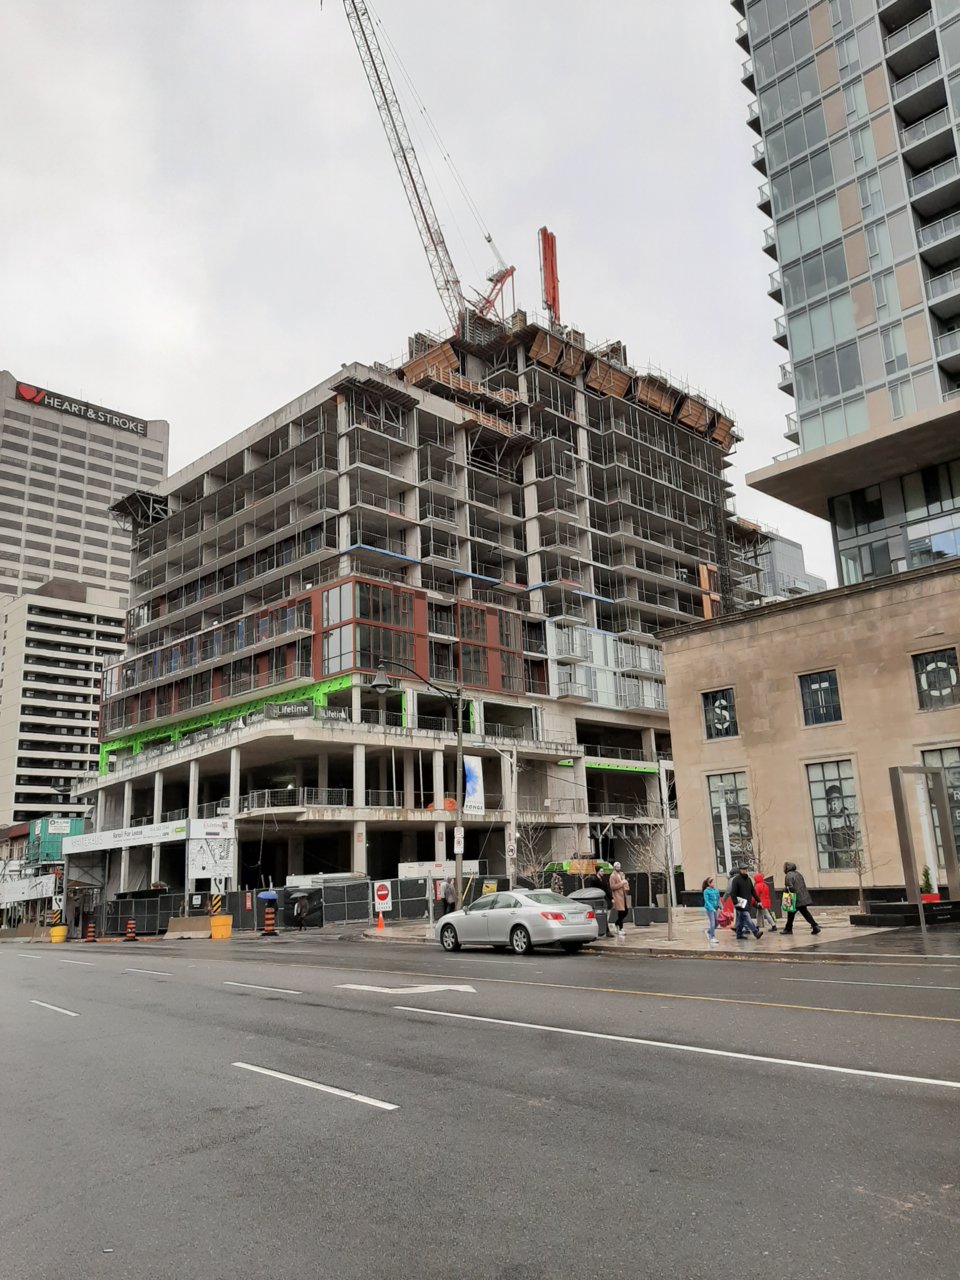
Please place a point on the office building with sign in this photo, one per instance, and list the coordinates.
(502, 521)
(63, 463)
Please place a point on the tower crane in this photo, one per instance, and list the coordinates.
(411, 176)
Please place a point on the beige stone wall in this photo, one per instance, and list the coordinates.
(868, 635)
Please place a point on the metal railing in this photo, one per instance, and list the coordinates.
(949, 282)
(786, 372)
(948, 344)
(384, 799)
(296, 798)
(939, 230)
(621, 809)
(917, 79)
(759, 151)
(930, 124)
(746, 69)
(612, 753)
(903, 35)
(935, 177)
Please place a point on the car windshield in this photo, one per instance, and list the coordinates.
(546, 897)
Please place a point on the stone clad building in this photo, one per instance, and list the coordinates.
(786, 721)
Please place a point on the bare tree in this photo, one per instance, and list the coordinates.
(655, 857)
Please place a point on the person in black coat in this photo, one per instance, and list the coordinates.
(795, 883)
(743, 893)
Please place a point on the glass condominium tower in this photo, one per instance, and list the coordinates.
(857, 108)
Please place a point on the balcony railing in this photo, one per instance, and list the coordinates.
(903, 35)
(949, 282)
(622, 809)
(296, 798)
(786, 373)
(934, 177)
(594, 752)
(924, 128)
(948, 344)
(759, 153)
(917, 79)
(935, 231)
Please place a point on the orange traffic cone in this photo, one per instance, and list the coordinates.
(380, 924)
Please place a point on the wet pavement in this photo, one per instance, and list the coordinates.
(941, 940)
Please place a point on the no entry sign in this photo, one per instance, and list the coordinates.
(382, 895)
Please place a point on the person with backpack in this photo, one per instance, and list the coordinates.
(711, 905)
(796, 898)
(764, 913)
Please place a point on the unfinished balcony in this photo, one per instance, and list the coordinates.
(929, 141)
(948, 351)
(943, 294)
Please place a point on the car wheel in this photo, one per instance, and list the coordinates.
(448, 938)
(571, 948)
(521, 943)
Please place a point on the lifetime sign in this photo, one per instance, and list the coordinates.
(80, 409)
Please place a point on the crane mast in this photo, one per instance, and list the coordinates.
(405, 157)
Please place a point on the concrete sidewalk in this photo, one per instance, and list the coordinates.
(838, 939)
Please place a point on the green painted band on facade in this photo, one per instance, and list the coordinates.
(135, 742)
(621, 767)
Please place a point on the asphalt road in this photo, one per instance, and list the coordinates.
(553, 1117)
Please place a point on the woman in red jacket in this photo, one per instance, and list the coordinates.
(762, 890)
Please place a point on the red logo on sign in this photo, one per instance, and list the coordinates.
(383, 892)
(33, 394)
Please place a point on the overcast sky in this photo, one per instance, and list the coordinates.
(200, 218)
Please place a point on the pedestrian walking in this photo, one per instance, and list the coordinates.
(743, 893)
(619, 887)
(449, 896)
(764, 913)
(796, 899)
(300, 909)
(711, 905)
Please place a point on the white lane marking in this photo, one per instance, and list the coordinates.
(86, 962)
(853, 982)
(160, 973)
(321, 1088)
(284, 991)
(55, 1007)
(686, 1048)
(402, 991)
(25, 955)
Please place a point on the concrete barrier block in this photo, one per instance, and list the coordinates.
(188, 927)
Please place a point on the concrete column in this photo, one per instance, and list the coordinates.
(409, 782)
(440, 841)
(127, 803)
(124, 870)
(355, 704)
(438, 784)
(323, 771)
(155, 864)
(358, 861)
(295, 855)
(234, 781)
(101, 809)
(157, 796)
(359, 776)
(193, 787)
(298, 774)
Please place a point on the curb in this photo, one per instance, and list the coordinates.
(830, 957)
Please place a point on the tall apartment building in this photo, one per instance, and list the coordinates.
(512, 512)
(63, 463)
(783, 568)
(857, 107)
(53, 645)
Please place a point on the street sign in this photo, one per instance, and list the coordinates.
(458, 840)
(382, 895)
(458, 833)
(511, 850)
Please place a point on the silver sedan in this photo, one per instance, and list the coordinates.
(521, 920)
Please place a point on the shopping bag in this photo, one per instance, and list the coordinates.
(788, 903)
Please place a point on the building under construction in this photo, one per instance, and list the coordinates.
(503, 523)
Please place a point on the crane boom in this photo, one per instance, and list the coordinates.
(405, 157)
